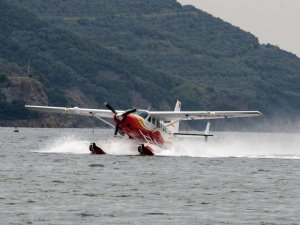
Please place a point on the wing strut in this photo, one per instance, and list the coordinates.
(103, 120)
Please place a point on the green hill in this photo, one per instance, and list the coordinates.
(69, 65)
(144, 53)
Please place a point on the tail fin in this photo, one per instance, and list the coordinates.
(177, 109)
(207, 128)
(206, 132)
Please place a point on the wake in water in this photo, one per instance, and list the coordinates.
(254, 145)
(251, 145)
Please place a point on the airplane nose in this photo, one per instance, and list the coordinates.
(129, 117)
(128, 121)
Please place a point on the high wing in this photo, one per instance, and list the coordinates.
(201, 115)
(104, 113)
(161, 115)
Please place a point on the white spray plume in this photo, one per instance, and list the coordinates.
(254, 145)
(119, 147)
(66, 144)
(70, 144)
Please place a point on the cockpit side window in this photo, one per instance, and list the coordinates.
(142, 114)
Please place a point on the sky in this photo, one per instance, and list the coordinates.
(275, 22)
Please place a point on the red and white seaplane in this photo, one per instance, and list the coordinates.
(154, 131)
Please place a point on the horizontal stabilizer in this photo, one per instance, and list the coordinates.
(187, 134)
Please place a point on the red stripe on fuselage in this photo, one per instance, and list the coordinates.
(133, 125)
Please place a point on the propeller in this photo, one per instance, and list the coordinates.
(107, 105)
(119, 116)
(117, 128)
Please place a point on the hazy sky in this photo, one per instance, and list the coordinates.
(273, 21)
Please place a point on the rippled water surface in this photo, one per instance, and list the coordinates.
(47, 176)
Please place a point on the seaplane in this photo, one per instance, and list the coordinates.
(152, 131)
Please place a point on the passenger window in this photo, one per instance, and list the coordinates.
(149, 119)
(153, 121)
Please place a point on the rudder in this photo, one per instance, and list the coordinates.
(177, 109)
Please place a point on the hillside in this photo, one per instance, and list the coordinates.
(144, 53)
(72, 70)
(227, 63)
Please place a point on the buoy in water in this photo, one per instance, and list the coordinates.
(16, 129)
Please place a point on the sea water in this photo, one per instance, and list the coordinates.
(48, 176)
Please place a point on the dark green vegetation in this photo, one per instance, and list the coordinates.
(142, 53)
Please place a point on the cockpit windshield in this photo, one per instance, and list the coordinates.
(142, 114)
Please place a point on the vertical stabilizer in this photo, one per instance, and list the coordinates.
(207, 128)
(177, 109)
(206, 132)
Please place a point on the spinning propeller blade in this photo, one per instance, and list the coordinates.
(128, 112)
(107, 105)
(119, 117)
(117, 128)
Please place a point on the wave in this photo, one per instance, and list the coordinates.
(251, 145)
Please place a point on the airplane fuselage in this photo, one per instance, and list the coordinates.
(144, 128)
